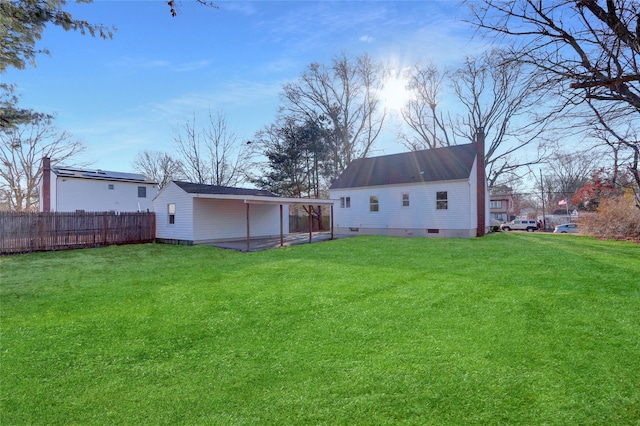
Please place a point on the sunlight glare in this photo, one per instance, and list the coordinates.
(394, 94)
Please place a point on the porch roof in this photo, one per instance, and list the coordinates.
(294, 201)
(257, 199)
(247, 195)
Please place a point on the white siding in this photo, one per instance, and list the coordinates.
(201, 219)
(414, 220)
(227, 219)
(71, 194)
(182, 229)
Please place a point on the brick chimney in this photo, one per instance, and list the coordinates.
(46, 185)
(481, 183)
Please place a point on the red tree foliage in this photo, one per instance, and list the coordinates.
(592, 193)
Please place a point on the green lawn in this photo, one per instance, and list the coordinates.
(512, 328)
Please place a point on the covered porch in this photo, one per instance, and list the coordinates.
(285, 239)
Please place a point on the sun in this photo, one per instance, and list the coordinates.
(394, 94)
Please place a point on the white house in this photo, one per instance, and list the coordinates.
(192, 213)
(432, 193)
(68, 190)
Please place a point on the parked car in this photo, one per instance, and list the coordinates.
(520, 225)
(566, 228)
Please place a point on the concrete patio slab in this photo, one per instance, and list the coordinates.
(259, 244)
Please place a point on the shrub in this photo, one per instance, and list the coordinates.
(617, 218)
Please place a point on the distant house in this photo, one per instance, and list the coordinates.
(192, 213)
(433, 193)
(500, 208)
(69, 190)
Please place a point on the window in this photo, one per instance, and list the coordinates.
(172, 213)
(110, 186)
(345, 202)
(405, 200)
(495, 204)
(441, 200)
(373, 204)
(142, 192)
(502, 217)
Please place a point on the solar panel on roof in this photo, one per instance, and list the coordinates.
(125, 178)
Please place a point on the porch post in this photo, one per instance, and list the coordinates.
(310, 225)
(281, 228)
(248, 230)
(331, 218)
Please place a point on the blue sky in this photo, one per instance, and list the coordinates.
(133, 92)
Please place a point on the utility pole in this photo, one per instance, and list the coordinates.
(544, 219)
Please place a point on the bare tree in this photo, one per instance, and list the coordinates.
(226, 154)
(343, 95)
(424, 82)
(158, 166)
(498, 97)
(173, 7)
(622, 134)
(21, 150)
(588, 52)
(212, 154)
(190, 148)
(566, 173)
(577, 43)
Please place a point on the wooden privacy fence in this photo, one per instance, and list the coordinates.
(23, 232)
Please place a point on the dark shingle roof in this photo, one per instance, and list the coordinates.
(200, 188)
(449, 163)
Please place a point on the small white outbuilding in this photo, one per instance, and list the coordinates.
(192, 213)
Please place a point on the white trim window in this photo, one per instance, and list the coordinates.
(171, 210)
(345, 202)
(405, 200)
(374, 204)
(442, 200)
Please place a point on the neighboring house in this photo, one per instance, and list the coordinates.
(500, 208)
(433, 193)
(192, 213)
(69, 190)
